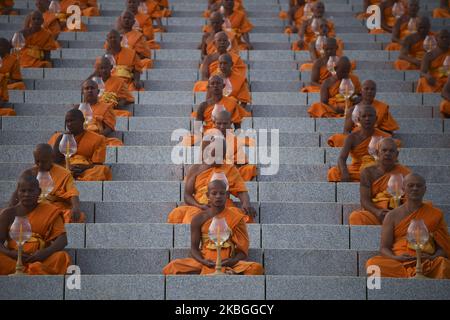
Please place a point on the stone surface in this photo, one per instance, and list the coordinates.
(32, 288)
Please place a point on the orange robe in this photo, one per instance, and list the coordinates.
(137, 42)
(116, 88)
(211, 48)
(385, 122)
(230, 105)
(442, 12)
(396, 46)
(32, 55)
(185, 214)
(239, 65)
(104, 116)
(146, 27)
(127, 61)
(237, 6)
(416, 51)
(389, 18)
(380, 197)
(239, 241)
(88, 8)
(307, 66)
(335, 99)
(310, 36)
(91, 149)
(360, 159)
(436, 69)
(10, 69)
(445, 108)
(298, 17)
(240, 24)
(158, 9)
(47, 224)
(51, 23)
(438, 268)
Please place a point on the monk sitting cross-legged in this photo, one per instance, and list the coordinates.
(87, 163)
(64, 194)
(443, 11)
(445, 104)
(433, 72)
(203, 250)
(385, 121)
(356, 145)
(296, 14)
(239, 23)
(376, 201)
(216, 25)
(397, 257)
(144, 23)
(332, 103)
(43, 253)
(404, 26)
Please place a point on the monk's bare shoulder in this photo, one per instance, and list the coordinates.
(7, 215)
(368, 175)
(199, 219)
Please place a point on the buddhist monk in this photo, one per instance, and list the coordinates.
(5, 110)
(38, 43)
(128, 64)
(376, 200)
(412, 50)
(296, 14)
(64, 194)
(43, 253)
(404, 25)
(332, 103)
(385, 121)
(357, 146)
(216, 5)
(153, 9)
(144, 23)
(87, 163)
(309, 29)
(134, 39)
(398, 259)
(216, 22)
(104, 119)
(387, 16)
(89, 8)
(51, 21)
(239, 23)
(214, 99)
(7, 7)
(445, 104)
(199, 175)
(443, 11)
(203, 250)
(433, 73)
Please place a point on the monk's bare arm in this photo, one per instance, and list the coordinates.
(201, 110)
(365, 190)
(204, 70)
(425, 68)
(384, 24)
(315, 73)
(387, 237)
(196, 232)
(348, 121)
(246, 205)
(343, 156)
(396, 31)
(404, 52)
(189, 188)
(203, 45)
(5, 220)
(312, 51)
(57, 245)
(324, 97)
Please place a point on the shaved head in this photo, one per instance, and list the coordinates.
(415, 177)
(368, 91)
(217, 184)
(343, 67)
(387, 142)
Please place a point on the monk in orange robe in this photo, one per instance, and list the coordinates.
(216, 22)
(43, 253)
(4, 98)
(387, 16)
(215, 98)
(357, 146)
(89, 8)
(238, 21)
(443, 11)
(38, 43)
(128, 64)
(384, 122)
(134, 39)
(234, 251)
(404, 26)
(332, 103)
(64, 194)
(143, 23)
(434, 74)
(397, 257)
(153, 9)
(445, 104)
(296, 14)
(376, 200)
(51, 20)
(104, 119)
(10, 76)
(213, 166)
(87, 163)
(308, 31)
(216, 5)
(412, 51)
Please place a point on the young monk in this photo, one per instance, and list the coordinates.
(43, 253)
(384, 122)
(216, 22)
(239, 23)
(376, 201)
(38, 43)
(204, 252)
(433, 74)
(443, 11)
(356, 145)
(64, 195)
(128, 64)
(199, 175)
(387, 17)
(134, 39)
(401, 28)
(397, 257)
(144, 23)
(89, 8)
(412, 50)
(87, 163)
(445, 104)
(104, 119)
(332, 104)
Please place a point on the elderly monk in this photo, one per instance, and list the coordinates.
(433, 73)
(104, 119)
(38, 43)
(89, 8)
(387, 16)
(443, 11)
(144, 23)
(404, 25)
(134, 39)
(214, 99)
(357, 146)
(216, 22)
(385, 121)
(239, 23)
(398, 258)
(199, 175)
(116, 88)
(332, 103)
(43, 253)
(412, 51)
(64, 194)
(307, 31)
(234, 251)
(376, 201)
(128, 64)
(87, 163)
(445, 104)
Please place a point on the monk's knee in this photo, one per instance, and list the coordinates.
(254, 269)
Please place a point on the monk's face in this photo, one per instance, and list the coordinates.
(423, 27)
(216, 22)
(127, 20)
(318, 10)
(104, 69)
(367, 118)
(133, 5)
(221, 42)
(113, 40)
(413, 8)
(215, 86)
(36, 21)
(90, 91)
(443, 40)
(74, 124)
(387, 152)
(368, 91)
(43, 160)
(330, 48)
(222, 123)
(225, 65)
(42, 5)
(217, 194)
(228, 4)
(415, 188)
(28, 193)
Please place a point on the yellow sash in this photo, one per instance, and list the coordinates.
(35, 52)
(123, 72)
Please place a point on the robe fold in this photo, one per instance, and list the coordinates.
(416, 51)
(10, 70)
(445, 108)
(116, 88)
(127, 61)
(104, 116)
(32, 55)
(438, 72)
(146, 27)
